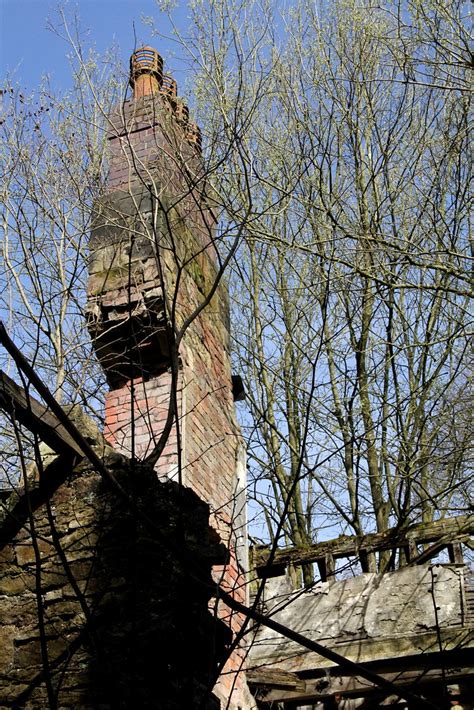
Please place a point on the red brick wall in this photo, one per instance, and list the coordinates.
(142, 406)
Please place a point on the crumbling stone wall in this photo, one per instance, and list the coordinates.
(126, 619)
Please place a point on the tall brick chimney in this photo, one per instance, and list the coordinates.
(152, 265)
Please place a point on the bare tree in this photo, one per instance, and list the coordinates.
(350, 291)
(53, 167)
(53, 163)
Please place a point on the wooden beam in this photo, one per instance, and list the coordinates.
(368, 561)
(275, 678)
(355, 687)
(455, 553)
(441, 532)
(37, 418)
(84, 447)
(437, 547)
(326, 567)
(273, 685)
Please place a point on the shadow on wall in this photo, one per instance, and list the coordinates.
(127, 624)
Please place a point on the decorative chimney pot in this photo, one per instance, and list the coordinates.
(169, 87)
(182, 112)
(193, 135)
(146, 72)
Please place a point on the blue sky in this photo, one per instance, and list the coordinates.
(29, 49)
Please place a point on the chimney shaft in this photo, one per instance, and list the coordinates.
(146, 72)
(134, 271)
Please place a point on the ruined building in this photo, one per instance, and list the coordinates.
(119, 546)
(127, 567)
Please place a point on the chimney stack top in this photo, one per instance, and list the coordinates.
(146, 72)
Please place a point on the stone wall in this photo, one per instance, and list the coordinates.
(123, 583)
